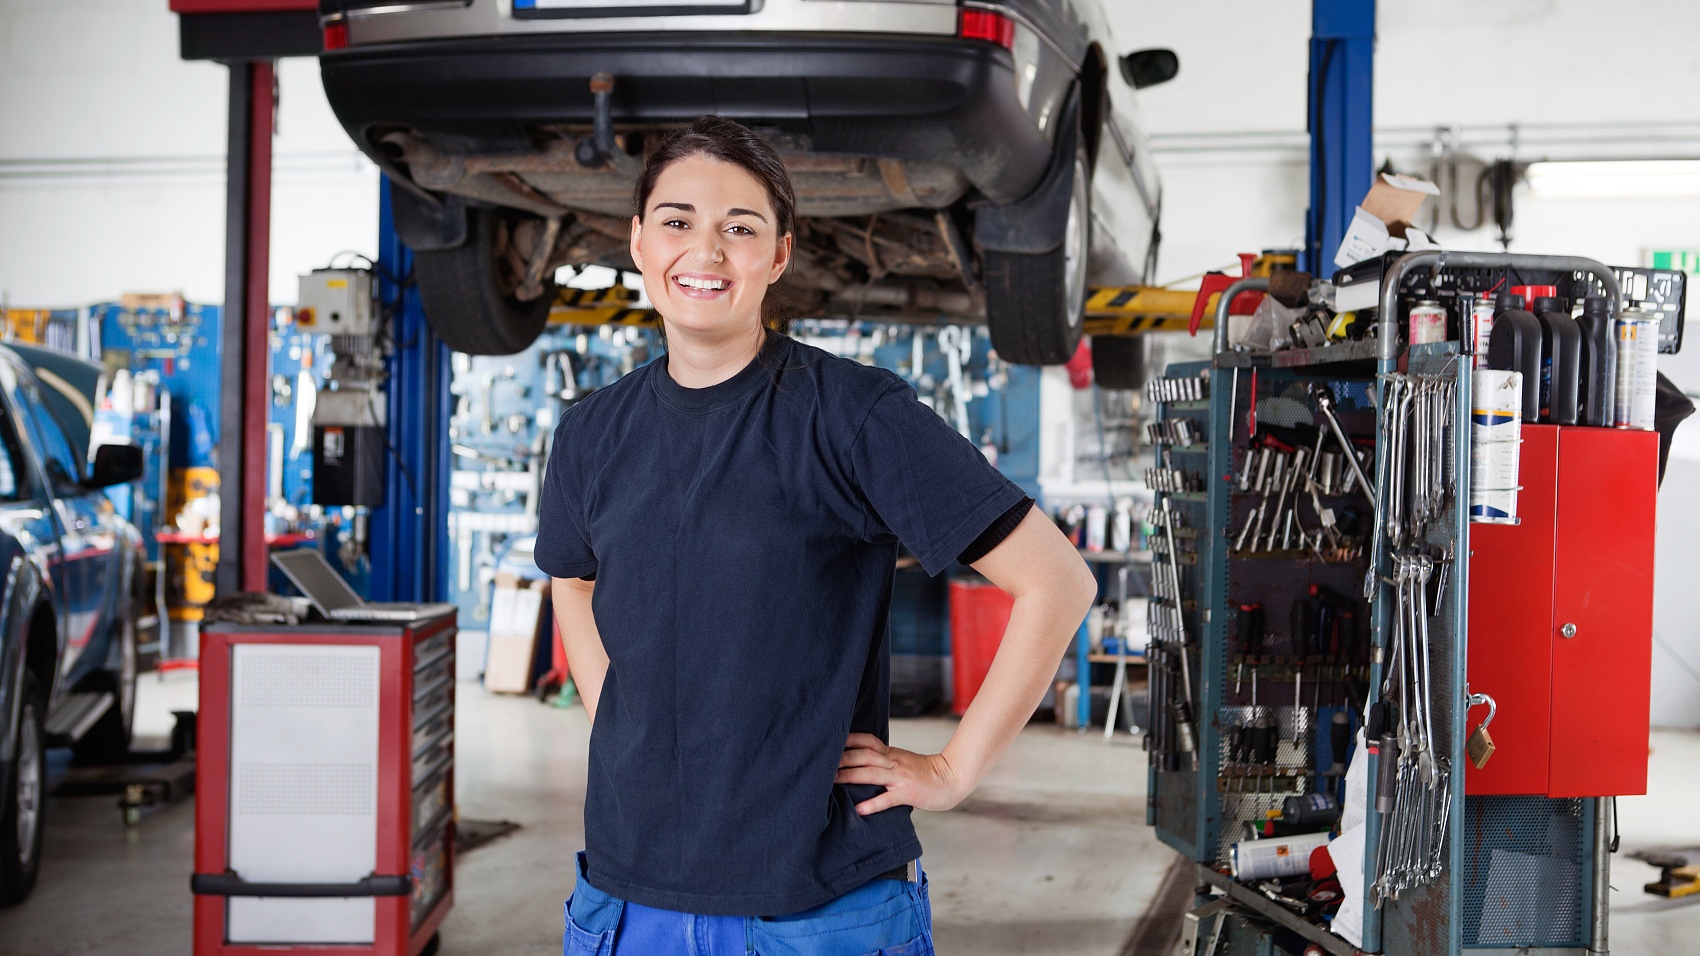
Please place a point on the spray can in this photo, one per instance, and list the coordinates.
(1274, 858)
(1637, 369)
(1121, 525)
(1427, 323)
(1496, 424)
(1481, 328)
(1097, 527)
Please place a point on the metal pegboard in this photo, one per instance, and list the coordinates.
(1525, 877)
(1174, 783)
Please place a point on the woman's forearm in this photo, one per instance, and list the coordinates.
(587, 660)
(1053, 590)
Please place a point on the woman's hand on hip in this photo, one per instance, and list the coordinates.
(923, 781)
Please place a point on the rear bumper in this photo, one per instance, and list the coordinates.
(941, 100)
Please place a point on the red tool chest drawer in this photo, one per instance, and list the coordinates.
(1561, 617)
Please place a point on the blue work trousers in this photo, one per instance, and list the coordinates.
(879, 918)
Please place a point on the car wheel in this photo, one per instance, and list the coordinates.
(1035, 302)
(22, 804)
(1118, 361)
(109, 739)
(468, 292)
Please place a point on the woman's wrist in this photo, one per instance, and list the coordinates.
(963, 772)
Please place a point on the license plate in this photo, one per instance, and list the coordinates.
(538, 9)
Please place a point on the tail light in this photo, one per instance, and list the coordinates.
(336, 36)
(988, 26)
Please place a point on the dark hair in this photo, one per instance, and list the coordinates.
(729, 142)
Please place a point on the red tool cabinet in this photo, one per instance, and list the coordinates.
(1561, 617)
(324, 816)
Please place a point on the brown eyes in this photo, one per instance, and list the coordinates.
(735, 229)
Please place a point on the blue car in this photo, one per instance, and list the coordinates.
(73, 572)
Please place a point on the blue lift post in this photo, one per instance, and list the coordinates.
(1340, 119)
(409, 535)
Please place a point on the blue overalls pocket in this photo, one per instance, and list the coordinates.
(881, 918)
(592, 917)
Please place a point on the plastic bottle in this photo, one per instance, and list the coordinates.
(1561, 356)
(1597, 375)
(1515, 346)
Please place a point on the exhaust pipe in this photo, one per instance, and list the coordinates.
(600, 148)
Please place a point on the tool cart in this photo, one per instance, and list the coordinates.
(1350, 585)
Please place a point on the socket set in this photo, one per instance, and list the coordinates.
(1191, 388)
(1173, 479)
(1174, 431)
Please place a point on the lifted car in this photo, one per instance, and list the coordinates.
(68, 613)
(964, 163)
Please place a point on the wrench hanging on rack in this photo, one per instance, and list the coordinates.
(1185, 708)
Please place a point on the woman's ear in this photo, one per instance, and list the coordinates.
(781, 257)
(637, 257)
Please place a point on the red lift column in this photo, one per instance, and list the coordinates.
(247, 261)
(248, 36)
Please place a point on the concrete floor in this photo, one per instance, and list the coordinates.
(1049, 857)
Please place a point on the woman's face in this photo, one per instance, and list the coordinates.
(708, 246)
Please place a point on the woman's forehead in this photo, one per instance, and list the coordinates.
(711, 185)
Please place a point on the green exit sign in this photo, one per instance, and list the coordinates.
(1677, 260)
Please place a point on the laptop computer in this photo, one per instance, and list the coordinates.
(310, 572)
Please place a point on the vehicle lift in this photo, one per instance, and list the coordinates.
(1110, 310)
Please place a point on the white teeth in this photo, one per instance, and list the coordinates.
(707, 284)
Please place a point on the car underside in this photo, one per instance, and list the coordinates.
(876, 236)
(937, 178)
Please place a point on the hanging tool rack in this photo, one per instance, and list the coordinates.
(1311, 575)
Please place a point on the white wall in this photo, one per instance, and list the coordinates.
(112, 161)
(111, 175)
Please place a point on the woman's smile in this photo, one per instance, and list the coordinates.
(702, 285)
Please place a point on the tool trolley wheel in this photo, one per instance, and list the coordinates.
(469, 292)
(109, 739)
(1118, 361)
(1035, 302)
(432, 945)
(22, 804)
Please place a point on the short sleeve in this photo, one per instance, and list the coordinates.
(563, 544)
(926, 484)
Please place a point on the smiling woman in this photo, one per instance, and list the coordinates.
(712, 232)
(722, 525)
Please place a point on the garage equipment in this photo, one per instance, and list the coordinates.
(1449, 866)
(1676, 878)
(325, 813)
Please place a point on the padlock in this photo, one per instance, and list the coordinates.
(1480, 746)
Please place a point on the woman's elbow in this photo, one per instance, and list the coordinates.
(1079, 587)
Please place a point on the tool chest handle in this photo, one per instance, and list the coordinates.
(230, 884)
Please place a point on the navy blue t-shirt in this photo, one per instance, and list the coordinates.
(743, 538)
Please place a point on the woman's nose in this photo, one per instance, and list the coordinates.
(707, 248)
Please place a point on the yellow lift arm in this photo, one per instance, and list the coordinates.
(1123, 310)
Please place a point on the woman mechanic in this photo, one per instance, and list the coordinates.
(721, 526)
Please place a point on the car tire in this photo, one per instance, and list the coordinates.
(1035, 302)
(22, 804)
(108, 741)
(468, 291)
(1118, 361)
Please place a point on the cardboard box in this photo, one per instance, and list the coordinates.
(516, 616)
(1382, 222)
